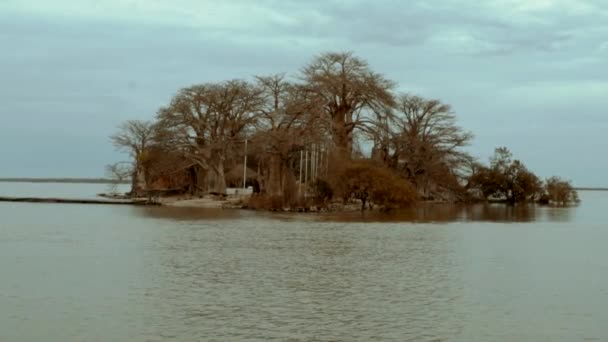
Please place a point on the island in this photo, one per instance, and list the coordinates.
(335, 135)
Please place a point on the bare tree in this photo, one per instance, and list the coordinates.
(426, 143)
(206, 121)
(118, 173)
(351, 93)
(289, 122)
(134, 137)
(312, 128)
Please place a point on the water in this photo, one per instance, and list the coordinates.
(106, 273)
(59, 190)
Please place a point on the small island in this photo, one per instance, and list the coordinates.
(334, 136)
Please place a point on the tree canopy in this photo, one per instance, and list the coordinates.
(305, 139)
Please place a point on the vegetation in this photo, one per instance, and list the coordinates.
(509, 180)
(134, 137)
(119, 173)
(421, 141)
(374, 185)
(560, 192)
(298, 142)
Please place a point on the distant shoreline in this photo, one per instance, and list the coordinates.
(591, 189)
(64, 180)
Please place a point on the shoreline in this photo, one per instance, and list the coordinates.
(63, 180)
(73, 201)
(227, 202)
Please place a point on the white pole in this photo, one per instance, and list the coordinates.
(245, 166)
(323, 161)
(305, 171)
(317, 151)
(319, 160)
(300, 184)
(313, 164)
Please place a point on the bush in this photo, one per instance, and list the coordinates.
(506, 179)
(289, 199)
(322, 191)
(374, 185)
(275, 203)
(559, 192)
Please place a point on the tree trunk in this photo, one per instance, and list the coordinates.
(134, 182)
(274, 185)
(138, 181)
(343, 140)
(343, 137)
(216, 177)
(199, 185)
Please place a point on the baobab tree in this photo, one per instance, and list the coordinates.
(425, 142)
(339, 103)
(350, 94)
(206, 121)
(135, 137)
(290, 121)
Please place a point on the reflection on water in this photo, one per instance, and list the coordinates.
(261, 280)
(424, 213)
(191, 214)
(450, 213)
(481, 273)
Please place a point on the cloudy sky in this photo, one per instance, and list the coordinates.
(528, 74)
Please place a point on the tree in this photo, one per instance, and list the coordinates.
(118, 173)
(167, 169)
(424, 143)
(560, 192)
(288, 123)
(206, 122)
(134, 137)
(506, 179)
(309, 136)
(350, 94)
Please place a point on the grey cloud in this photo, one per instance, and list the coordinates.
(402, 24)
(522, 82)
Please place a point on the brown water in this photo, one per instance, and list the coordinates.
(485, 273)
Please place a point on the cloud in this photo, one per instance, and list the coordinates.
(469, 27)
(508, 67)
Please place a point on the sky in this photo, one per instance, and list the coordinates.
(531, 75)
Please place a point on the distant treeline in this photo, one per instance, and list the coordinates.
(64, 180)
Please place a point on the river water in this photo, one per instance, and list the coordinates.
(443, 273)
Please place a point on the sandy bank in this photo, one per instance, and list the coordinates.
(204, 202)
